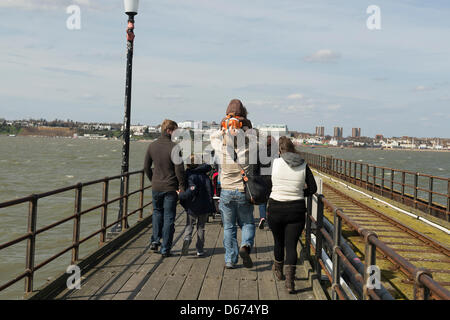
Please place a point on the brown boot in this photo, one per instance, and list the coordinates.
(277, 269)
(290, 277)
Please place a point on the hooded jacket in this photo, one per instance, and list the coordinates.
(198, 197)
(291, 178)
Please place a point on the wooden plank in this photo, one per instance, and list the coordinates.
(248, 284)
(303, 288)
(126, 261)
(194, 280)
(213, 279)
(157, 279)
(267, 288)
(134, 284)
(131, 261)
(229, 289)
(100, 275)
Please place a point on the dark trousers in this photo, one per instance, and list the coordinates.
(201, 222)
(287, 221)
(163, 220)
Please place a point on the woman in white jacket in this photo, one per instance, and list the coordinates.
(292, 182)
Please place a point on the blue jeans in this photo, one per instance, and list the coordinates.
(262, 210)
(163, 220)
(235, 209)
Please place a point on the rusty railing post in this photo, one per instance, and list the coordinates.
(369, 261)
(345, 170)
(141, 197)
(374, 178)
(360, 174)
(448, 200)
(421, 292)
(403, 186)
(104, 210)
(367, 176)
(125, 203)
(308, 227)
(319, 237)
(76, 223)
(382, 181)
(392, 183)
(416, 182)
(430, 196)
(336, 258)
(31, 244)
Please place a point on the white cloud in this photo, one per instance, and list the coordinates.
(170, 97)
(295, 96)
(305, 109)
(334, 107)
(422, 88)
(323, 56)
(46, 4)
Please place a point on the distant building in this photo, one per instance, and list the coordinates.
(320, 131)
(186, 124)
(338, 132)
(138, 130)
(280, 129)
(379, 137)
(356, 132)
(190, 124)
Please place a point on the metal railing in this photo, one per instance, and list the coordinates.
(405, 189)
(33, 232)
(424, 286)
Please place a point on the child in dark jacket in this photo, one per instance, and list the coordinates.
(197, 200)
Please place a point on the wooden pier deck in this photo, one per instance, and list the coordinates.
(134, 272)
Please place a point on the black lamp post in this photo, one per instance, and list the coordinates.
(131, 9)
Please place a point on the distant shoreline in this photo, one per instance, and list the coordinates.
(387, 149)
(149, 139)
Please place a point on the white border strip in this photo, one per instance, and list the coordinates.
(447, 231)
(329, 266)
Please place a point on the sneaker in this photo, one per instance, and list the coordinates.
(184, 250)
(261, 223)
(166, 254)
(229, 265)
(200, 253)
(154, 246)
(244, 252)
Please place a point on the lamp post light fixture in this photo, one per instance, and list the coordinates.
(131, 9)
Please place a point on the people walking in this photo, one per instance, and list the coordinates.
(167, 178)
(198, 203)
(234, 207)
(292, 182)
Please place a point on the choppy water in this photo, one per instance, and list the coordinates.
(35, 165)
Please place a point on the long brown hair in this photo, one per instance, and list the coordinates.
(286, 145)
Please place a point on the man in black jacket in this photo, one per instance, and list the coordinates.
(167, 178)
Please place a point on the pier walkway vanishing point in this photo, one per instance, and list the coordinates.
(134, 271)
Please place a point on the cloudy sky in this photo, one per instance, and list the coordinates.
(300, 62)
